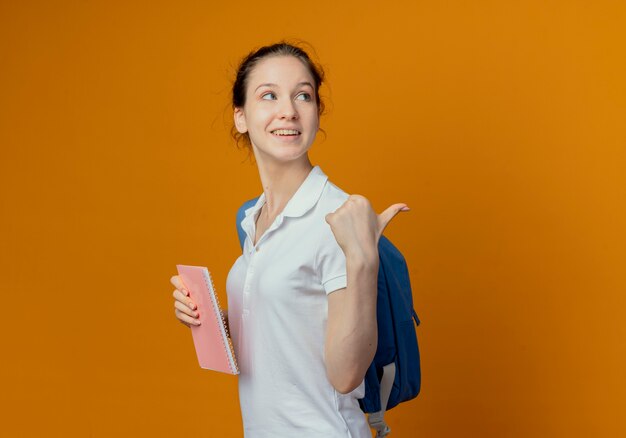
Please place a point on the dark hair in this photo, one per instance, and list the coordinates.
(249, 63)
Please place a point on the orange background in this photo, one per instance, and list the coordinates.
(502, 124)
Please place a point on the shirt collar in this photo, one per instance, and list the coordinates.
(302, 201)
(307, 194)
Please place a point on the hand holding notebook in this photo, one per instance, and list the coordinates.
(213, 346)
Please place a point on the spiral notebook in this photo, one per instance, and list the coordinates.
(213, 345)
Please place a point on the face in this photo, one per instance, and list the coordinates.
(280, 114)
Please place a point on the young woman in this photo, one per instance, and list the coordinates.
(302, 296)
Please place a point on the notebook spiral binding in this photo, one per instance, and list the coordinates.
(220, 315)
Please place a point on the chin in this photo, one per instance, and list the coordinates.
(288, 158)
(283, 153)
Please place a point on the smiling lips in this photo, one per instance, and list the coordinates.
(286, 132)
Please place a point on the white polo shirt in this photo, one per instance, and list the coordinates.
(277, 312)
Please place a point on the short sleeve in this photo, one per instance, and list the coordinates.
(331, 262)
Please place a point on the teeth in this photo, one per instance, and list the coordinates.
(285, 132)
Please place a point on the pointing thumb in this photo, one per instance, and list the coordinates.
(385, 217)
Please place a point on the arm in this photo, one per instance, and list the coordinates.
(352, 329)
(352, 332)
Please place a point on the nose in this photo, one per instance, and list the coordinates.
(288, 110)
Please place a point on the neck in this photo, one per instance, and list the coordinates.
(280, 181)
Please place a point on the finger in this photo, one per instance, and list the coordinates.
(183, 317)
(186, 319)
(178, 296)
(185, 309)
(385, 217)
(178, 284)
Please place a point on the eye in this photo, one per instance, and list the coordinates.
(304, 96)
(268, 96)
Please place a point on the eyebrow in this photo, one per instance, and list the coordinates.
(274, 85)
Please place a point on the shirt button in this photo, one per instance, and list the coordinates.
(257, 249)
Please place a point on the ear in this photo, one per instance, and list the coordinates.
(240, 120)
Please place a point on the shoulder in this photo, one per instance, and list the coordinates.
(332, 197)
(330, 261)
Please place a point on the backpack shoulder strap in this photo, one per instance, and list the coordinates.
(377, 419)
(241, 213)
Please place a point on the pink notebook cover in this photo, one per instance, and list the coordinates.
(213, 346)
